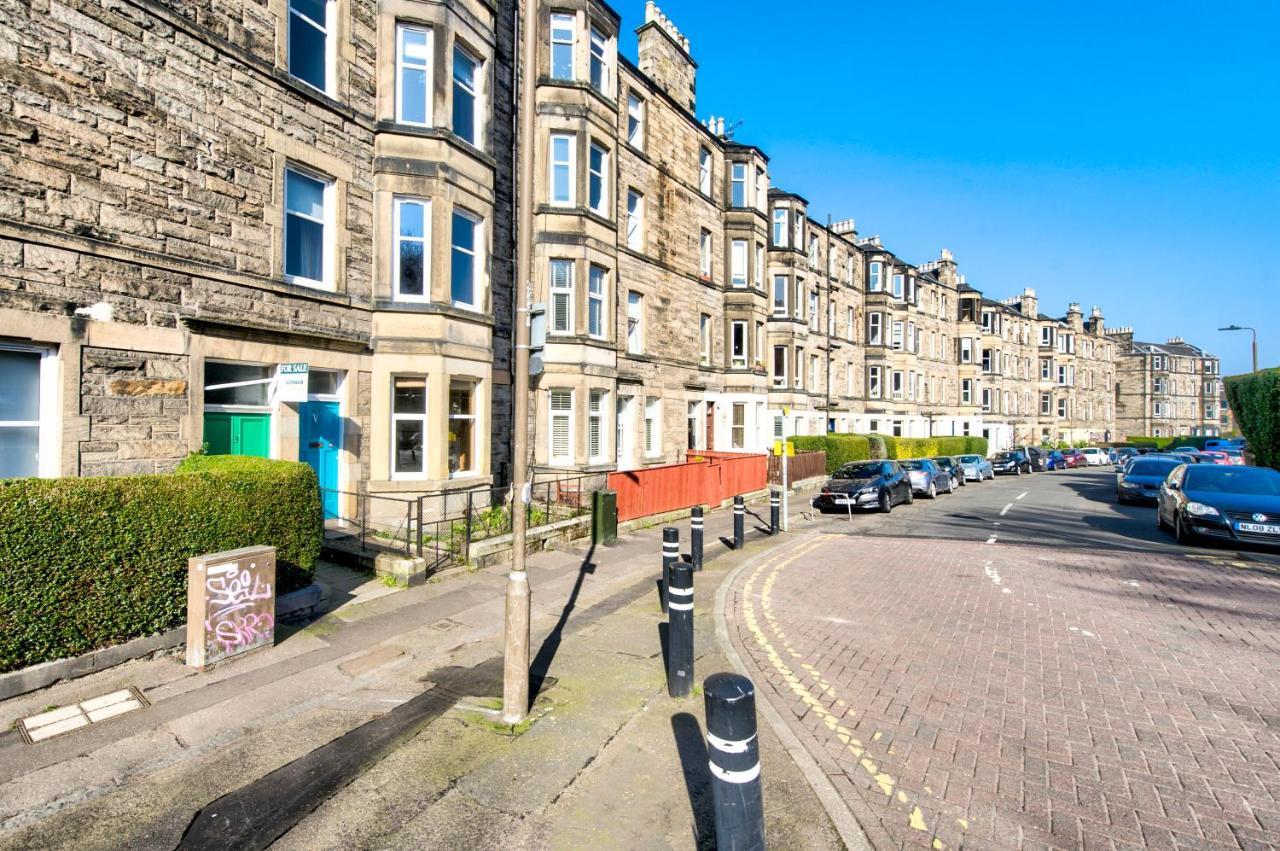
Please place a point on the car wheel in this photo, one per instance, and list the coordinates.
(911, 496)
(932, 493)
(886, 502)
(1180, 534)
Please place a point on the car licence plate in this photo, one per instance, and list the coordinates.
(1261, 528)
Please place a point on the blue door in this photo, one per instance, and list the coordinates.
(320, 440)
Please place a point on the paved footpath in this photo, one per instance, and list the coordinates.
(370, 729)
(1017, 696)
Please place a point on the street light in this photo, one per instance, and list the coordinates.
(1255, 340)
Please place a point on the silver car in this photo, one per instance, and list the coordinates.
(976, 468)
(927, 478)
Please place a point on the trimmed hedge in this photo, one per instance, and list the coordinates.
(840, 448)
(1255, 401)
(843, 448)
(87, 563)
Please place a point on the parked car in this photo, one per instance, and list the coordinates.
(1094, 456)
(1234, 456)
(1215, 457)
(1236, 443)
(1055, 460)
(1010, 462)
(1037, 460)
(865, 484)
(977, 468)
(1123, 454)
(1237, 504)
(927, 478)
(1190, 449)
(1142, 480)
(1074, 458)
(952, 465)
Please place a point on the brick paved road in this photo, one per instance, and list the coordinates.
(1016, 696)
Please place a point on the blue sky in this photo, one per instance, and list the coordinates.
(1124, 154)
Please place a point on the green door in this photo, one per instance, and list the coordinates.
(238, 434)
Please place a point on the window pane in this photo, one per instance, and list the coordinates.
(313, 9)
(409, 454)
(562, 61)
(463, 273)
(216, 373)
(303, 194)
(19, 452)
(322, 382)
(19, 386)
(464, 99)
(307, 51)
(414, 91)
(304, 244)
(410, 396)
(411, 267)
(412, 219)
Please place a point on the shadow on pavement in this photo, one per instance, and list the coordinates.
(547, 652)
(692, 748)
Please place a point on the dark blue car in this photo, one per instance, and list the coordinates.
(1211, 501)
(1141, 480)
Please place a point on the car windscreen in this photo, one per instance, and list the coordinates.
(942, 462)
(912, 465)
(1251, 480)
(857, 471)
(970, 459)
(1002, 456)
(1152, 468)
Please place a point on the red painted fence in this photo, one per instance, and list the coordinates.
(708, 478)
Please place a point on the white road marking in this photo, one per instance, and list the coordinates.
(992, 539)
(1023, 494)
(1005, 510)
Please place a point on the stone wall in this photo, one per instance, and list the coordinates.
(136, 403)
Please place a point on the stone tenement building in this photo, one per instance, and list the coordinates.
(1171, 389)
(287, 230)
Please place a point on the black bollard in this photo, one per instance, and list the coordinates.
(680, 630)
(739, 521)
(695, 537)
(734, 753)
(775, 511)
(670, 554)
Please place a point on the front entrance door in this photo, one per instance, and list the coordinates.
(319, 442)
(238, 434)
(711, 426)
(626, 430)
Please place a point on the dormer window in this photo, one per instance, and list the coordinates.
(562, 43)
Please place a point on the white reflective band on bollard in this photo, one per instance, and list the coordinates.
(680, 607)
(727, 746)
(680, 592)
(735, 776)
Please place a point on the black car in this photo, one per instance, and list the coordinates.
(1142, 478)
(1010, 462)
(865, 484)
(953, 466)
(1236, 504)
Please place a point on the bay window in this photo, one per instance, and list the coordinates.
(596, 282)
(562, 46)
(560, 430)
(466, 71)
(412, 279)
(738, 345)
(409, 426)
(561, 318)
(598, 180)
(599, 61)
(738, 263)
(563, 155)
(462, 421)
(464, 281)
(413, 75)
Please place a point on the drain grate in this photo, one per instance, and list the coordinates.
(57, 722)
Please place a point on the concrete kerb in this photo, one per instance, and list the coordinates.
(846, 823)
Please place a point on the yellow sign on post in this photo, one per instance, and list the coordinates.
(777, 448)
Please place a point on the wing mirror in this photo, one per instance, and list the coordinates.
(1173, 486)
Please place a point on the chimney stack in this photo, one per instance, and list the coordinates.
(665, 59)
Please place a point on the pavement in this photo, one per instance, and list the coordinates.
(373, 726)
(1025, 665)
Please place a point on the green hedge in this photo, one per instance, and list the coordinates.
(87, 563)
(840, 448)
(1255, 401)
(1168, 442)
(843, 448)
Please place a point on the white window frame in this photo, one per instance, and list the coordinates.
(758, 272)
(47, 426)
(875, 329)
(425, 65)
(560, 301)
(397, 238)
(328, 30)
(423, 424)
(635, 120)
(780, 307)
(477, 103)
(780, 378)
(738, 334)
(560, 413)
(478, 253)
(635, 314)
(569, 164)
(597, 298)
(326, 223)
(738, 263)
(599, 57)
(564, 21)
(652, 426)
(899, 286)
(780, 232)
(597, 404)
(738, 178)
(704, 339)
(738, 428)
(598, 178)
(704, 253)
(875, 276)
(705, 171)
(474, 418)
(635, 220)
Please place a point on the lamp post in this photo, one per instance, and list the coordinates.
(515, 673)
(1254, 331)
